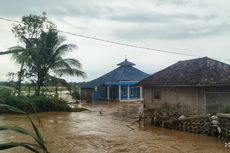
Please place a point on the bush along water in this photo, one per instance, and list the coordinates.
(40, 103)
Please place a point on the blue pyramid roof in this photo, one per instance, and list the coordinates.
(126, 63)
(125, 72)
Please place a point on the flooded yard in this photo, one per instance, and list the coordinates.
(113, 131)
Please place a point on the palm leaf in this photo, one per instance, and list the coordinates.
(13, 109)
(10, 52)
(71, 62)
(19, 130)
(28, 146)
(37, 136)
(61, 50)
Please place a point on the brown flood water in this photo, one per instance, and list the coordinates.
(114, 131)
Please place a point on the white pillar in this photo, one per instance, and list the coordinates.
(108, 93)
(141, 94)
(128, 92)
(119, 92)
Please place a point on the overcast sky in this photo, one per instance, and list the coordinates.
(199, 27)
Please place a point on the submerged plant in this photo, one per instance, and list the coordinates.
(35, 134)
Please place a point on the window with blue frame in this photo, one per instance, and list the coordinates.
(124, 91)
(132, 91)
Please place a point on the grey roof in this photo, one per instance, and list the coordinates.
(125, 72)
(200, 71)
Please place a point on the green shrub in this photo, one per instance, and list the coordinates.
(22, 103)
(50, 104)
(4, 93)
(40, 103)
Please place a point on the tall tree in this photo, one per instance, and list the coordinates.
(27, 32)
(49, 58)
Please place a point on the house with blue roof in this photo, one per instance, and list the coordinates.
(118, 84)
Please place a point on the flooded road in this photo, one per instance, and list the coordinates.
(113, 131)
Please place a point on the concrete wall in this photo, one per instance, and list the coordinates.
(190, 99)
(195, 100)
(216, 97)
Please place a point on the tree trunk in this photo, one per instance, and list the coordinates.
(56, 90)
(40, 82)
(38, 90)
(20, 78)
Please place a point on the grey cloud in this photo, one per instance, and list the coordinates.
(155, 24)
(180, 3)
(155, 17)
(94, 9)
(52, 7)
(175, 2)
(171, 31)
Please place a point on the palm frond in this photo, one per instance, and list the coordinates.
(70, 72)
(66, 63)
(72, 62)
(63, 49)
(61, 65)
(17, 53)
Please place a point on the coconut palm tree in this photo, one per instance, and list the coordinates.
(27, 31)
(20, 58)
(49, 58)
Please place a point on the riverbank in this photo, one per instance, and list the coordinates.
(37, 104)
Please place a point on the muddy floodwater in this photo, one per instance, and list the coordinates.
(113, 131)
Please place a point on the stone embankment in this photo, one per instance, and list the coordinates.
(217, 125)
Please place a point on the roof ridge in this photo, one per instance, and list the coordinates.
(126, 63)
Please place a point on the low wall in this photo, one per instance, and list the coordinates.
(216, 125)
(224, 123)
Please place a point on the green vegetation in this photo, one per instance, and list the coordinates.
(40, 103)
(27, 32)
(35, 134)
(42, 55)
